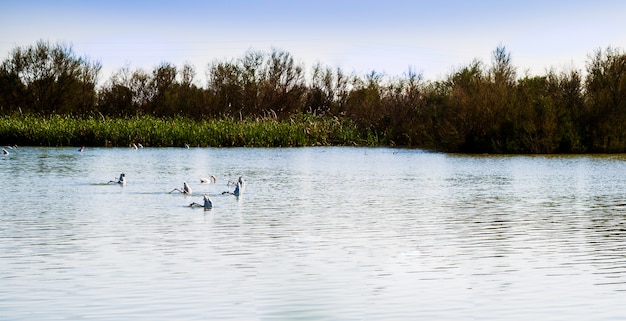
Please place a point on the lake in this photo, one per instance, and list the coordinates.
(321, 233)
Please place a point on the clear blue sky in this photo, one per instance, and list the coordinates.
(391, 36)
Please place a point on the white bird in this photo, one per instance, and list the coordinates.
(211, 179)
(121, 180)
(238, 190)
(207, 203)
(239, 181)
(186, 189)
(5, 152)
(242, 182)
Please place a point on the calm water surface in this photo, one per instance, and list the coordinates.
(319, 234)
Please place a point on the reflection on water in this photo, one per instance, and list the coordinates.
(318, 234)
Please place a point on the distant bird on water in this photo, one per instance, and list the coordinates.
(207, 203)
(239, 181)
(211, 179)
(186, 189)
(121, 180)
(237, 190)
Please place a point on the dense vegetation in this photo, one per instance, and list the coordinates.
(50, 96)
(57, 130)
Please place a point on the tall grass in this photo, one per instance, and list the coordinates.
(63, 130)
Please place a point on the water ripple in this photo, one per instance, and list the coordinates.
(319, 234)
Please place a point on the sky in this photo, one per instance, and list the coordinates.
(391, 37)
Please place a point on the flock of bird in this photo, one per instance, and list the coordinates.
(5, 151)
(207, 202)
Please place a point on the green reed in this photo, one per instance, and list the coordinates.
(66, 130)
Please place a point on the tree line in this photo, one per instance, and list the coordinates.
(477, 108)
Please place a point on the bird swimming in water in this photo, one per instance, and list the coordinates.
(121, 180)
(240, 181)
(211, 179)
(237, 190)
(186, 189)
(207, 203)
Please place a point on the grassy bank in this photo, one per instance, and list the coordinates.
(302, 130)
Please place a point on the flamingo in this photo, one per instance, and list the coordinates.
(186, 189)
(207, 203)
(211, 179)
(237, 190)
(121, 180)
